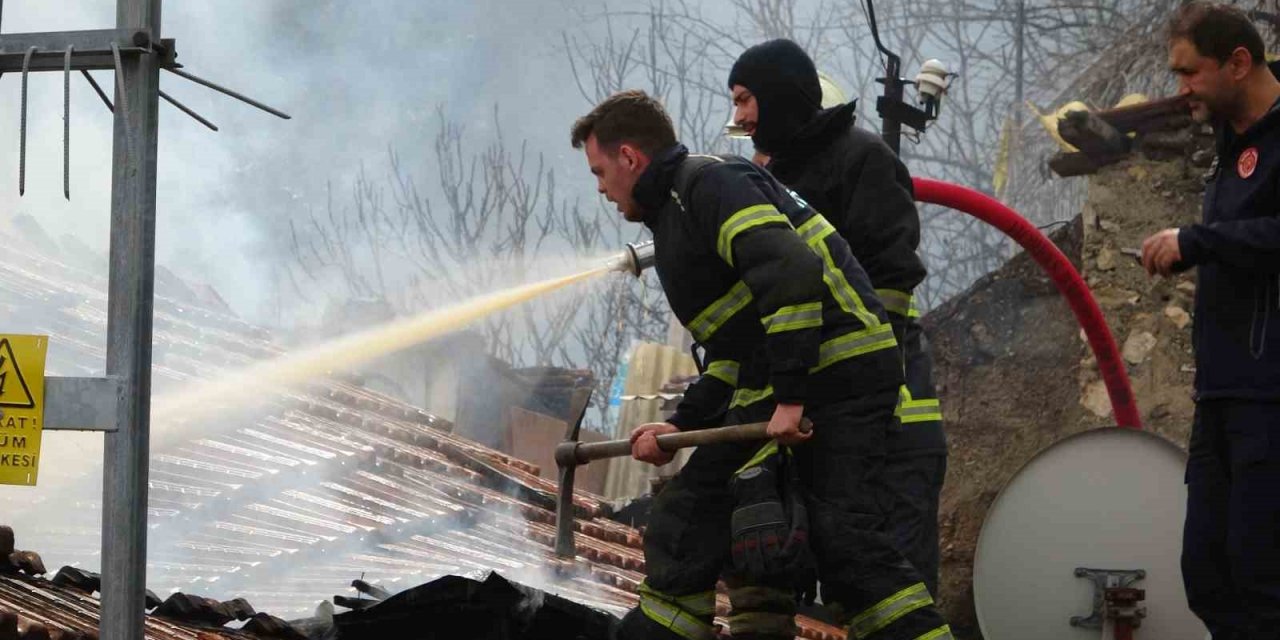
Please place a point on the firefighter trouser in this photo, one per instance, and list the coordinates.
(913, 484)
(1231, 542)
(916, 464)
(878, 593)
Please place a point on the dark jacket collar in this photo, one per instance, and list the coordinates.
(817, 134)
(1229, 140)
(653, 189)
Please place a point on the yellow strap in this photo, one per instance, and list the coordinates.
(941, 633)
(742, 220)
(913, 411)
(719, 312)
(687, 616)
(814, 231)
(724, 370)
(890, 609)
(854, 344)
(899, 302)
(793, 317)
(745, 397)
(771, 448)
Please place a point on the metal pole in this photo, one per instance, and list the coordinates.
(1018, 43)
(130, 300)
(891, 127)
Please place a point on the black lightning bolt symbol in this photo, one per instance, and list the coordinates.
(3, 374)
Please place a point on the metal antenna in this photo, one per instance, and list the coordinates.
(245, 99)
(101, 94)
(22, 140)
(66, 123)
(100, 49)
(187, 110)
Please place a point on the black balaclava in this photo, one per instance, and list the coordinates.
(784, 81)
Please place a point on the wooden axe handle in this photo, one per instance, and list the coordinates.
(576, 453)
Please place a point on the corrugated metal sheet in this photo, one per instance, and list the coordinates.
(285, 504)
(651, 367)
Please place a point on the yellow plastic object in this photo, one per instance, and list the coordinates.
(1132, 99)
(1000, 176)
(832, 95)
(1050, 120)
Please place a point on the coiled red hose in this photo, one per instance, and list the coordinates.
(1063, 274)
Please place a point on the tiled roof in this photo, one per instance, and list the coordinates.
(64, 608)
(285, 504)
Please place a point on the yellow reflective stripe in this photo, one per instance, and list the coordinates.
(719, 312)
(744, 397)
(899, 302)
(854, 344)
(796, 316)
(941, 633)
(703, 603)
(890, 609)
(912, 411)
(725, 371)
(682, 615)
(767, 450)
(815, 232)
(677, 621)
(750, 217)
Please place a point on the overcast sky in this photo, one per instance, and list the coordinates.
(355, 76)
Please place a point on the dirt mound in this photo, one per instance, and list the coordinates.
(1013, 370)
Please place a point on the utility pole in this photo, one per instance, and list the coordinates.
(1021, 26)
(118, 404)
(129, 315)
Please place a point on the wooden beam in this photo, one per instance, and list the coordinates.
(1092, 135)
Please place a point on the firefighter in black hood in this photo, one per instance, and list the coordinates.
(791, 328)
(856, 181)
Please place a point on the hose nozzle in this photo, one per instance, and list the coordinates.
(637, 258)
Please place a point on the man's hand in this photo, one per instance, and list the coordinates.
(644, 443)
(1160, 252)
(785, 424)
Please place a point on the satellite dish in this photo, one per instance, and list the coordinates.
(1110, 499)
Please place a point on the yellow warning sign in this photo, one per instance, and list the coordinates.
(21, 406)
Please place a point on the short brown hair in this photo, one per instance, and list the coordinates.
(1217, 30)
(630, 116)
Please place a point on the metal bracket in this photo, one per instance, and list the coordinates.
(1104, 580)
(82, 404)
(91, 49)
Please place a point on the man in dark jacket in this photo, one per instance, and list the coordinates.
(791, 328)
(856, 181)
(1231, 543)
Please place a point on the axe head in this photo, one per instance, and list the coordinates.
(567, 463)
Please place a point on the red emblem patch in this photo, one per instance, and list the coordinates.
(1247, 162)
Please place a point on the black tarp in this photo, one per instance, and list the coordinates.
(455, 607)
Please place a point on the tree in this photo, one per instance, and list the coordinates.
(1005, 51)
(496, 220)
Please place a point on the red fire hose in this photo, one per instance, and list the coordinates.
(1063, 274)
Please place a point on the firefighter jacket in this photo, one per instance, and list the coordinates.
(766, 285)
(856, 181)
(1237, 250)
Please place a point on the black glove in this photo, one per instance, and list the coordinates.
(770, 524)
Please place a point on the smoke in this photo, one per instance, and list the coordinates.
(356, 77)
